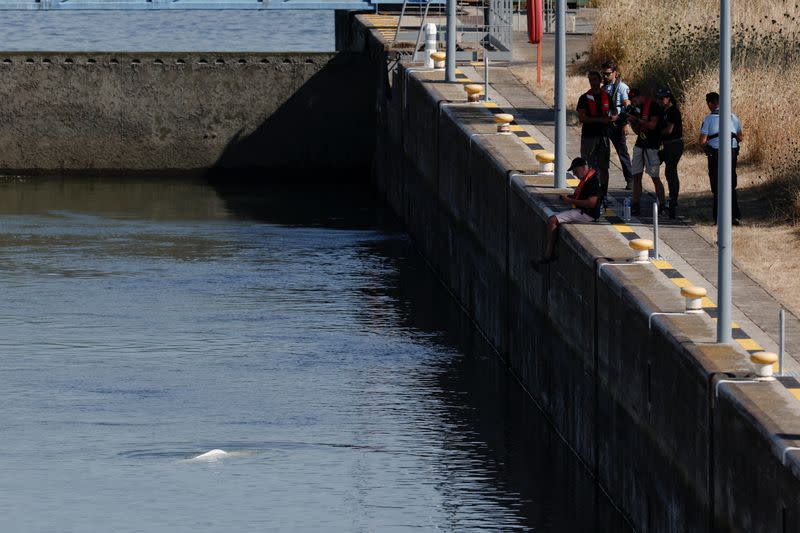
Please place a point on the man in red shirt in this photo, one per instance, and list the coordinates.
(597, 114)
(585, 204)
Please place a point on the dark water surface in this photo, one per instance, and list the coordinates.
(145, 322)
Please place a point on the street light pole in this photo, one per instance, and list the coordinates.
(560, 178)
(724, 209)
(450, 60)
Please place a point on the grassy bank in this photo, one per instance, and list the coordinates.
(676, 43)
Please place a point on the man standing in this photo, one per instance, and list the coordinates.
(585, 204)
(646, 124)
(596, 114)
(672, 139)
(618, 91)
(709, 140)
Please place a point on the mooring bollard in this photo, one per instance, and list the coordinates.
(764, 362)
(642, 248)
(430, 44)
(438, 60)
(694, 298)
(473, 92)
(546, 162)
(504, 121)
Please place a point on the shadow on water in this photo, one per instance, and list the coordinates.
(328, 205)
(551, 490)
(523, 454)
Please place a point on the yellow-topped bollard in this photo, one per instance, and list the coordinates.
(438, 59)
(764, 362)
(642, 248)
(474, 92)
(504, 121)
(546, 161)
(694, 298)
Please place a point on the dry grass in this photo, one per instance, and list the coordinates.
(676, 44)
(780, 272)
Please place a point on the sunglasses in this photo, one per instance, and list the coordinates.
(609, 73)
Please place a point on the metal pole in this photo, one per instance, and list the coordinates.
(782, 320)
(450, 61)
(486, 73)
(400, 22)
(724, 255)
(560, 177)
(655, 230)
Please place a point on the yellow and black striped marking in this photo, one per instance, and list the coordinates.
(516, 129)
(739, 335)
(791, 384)
(385, 25)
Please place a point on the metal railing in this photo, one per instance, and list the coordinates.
(483, 27)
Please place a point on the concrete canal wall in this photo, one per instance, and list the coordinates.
(152, 113)
(640, 404)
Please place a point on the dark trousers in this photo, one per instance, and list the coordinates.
(673, 150)
(618, 140)
(713, 166)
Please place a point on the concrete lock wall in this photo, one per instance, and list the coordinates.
(155, 112)
(635, 398)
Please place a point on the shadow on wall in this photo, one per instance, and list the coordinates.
(324, 132)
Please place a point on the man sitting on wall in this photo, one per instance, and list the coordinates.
(585, 202)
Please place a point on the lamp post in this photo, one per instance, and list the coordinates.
(724, 209)
(450, 60)
(560, 174)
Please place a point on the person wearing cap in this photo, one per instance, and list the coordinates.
(709, 141)
(585, 202)
(645, 123)
(672, 141)
(596, 114)
(618, 91)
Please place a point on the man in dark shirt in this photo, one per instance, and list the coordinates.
(672, 139)
(646, 123)
(585, 202)
(618, 91)
(596, 113)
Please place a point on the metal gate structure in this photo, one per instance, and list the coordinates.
(482, 27)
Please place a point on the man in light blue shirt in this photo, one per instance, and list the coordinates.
(618, 92)
(709, 141)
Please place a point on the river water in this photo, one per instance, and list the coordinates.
(144, 322)
(167, 31)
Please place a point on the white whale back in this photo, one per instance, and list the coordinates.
(211, 455)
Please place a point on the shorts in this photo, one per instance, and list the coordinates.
(645, 159)
(596, 151)
(573, 215)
